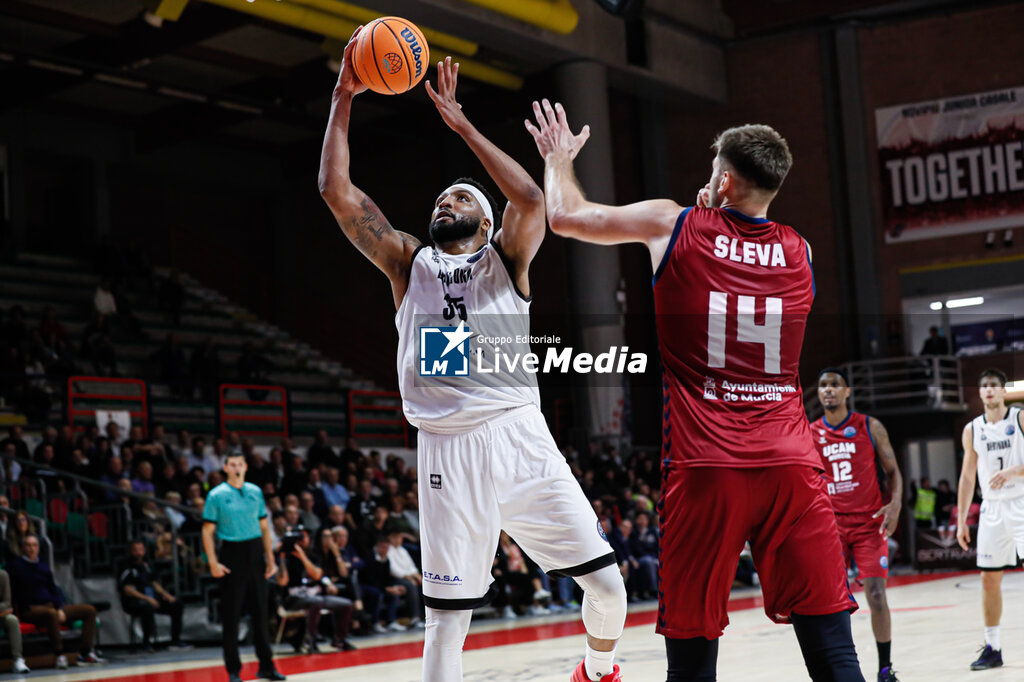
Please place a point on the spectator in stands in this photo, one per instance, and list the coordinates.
(923, 501)
(253, 368)
(511, 579)
(111, 476)
(143, 481)
(320, 452)
(143, 596)
(41, 602)
(15, 436)
(9, 469)
(11, 624)
(619, 546)
(103, 301)
(350, 456)
(296, 479)
(48, 325)
(376, 574)
(360, 507)
(935, 344)
(171, 296)
(276, 470)
(406, 574)
(205, 369)
(945, 500)
(411, 512)
(97, 348)
(17, 530)
(309, 589)
(175, 517)
(15, 330)
(643, 544)
(309, 518)
(5, 521)
(199, 457)
(335, 494)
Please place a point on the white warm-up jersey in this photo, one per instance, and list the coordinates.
(999, 446)
(443, 291)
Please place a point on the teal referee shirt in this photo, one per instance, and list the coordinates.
(237, 513)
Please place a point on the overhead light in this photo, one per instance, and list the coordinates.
(1015, 385)
(965, 302)
(935, 305)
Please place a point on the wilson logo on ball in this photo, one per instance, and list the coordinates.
(392, 62)
(414, 47)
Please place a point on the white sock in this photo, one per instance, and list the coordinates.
(992, 637)
(598, 663)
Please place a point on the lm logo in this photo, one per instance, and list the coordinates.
(444, 351)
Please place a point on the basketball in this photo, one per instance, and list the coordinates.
(390, 55)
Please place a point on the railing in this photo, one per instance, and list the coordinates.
(86, 532)
(905, 384)
(380, 412)
(109, 397)
(254, 409)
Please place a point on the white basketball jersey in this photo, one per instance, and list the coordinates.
(443, 291)
(999, 446)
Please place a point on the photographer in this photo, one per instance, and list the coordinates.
(309, 589)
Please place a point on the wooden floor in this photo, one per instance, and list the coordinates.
(936, 624)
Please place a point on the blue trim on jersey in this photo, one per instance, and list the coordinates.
(867, 425)
(671, 245)
(814, 288)
(825, 421)
(747, 219)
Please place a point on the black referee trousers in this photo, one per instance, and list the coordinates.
(244, 585)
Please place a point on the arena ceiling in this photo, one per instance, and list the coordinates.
(258, 70)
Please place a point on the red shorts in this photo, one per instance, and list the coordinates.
(863, 544)
(708, 513)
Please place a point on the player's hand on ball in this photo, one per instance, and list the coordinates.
(552, 133)
(963, 536)
(347, 80)
(444, 98)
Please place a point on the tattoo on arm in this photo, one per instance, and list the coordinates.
(368, 229)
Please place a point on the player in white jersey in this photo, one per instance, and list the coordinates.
(994, 451)
(486, 458)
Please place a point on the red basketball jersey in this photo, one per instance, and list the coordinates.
(848, 455)
(732, 296)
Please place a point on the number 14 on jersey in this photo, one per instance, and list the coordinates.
(768, 334)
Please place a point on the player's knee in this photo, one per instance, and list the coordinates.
(604, 602)
(991, 580)
(875, 594)
(446, 629)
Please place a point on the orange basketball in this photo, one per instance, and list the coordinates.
(390, 55)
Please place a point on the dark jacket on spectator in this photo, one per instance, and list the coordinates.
(645, 543)
(33, 583)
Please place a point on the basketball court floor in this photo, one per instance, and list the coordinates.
(936, 623)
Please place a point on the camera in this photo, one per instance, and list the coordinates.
(290, 539)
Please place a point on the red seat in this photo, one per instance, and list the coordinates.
(99, 525)
(58, 511)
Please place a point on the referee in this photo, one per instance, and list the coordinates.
(235, 511)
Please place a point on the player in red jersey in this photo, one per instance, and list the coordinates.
(852, 445)
(732, 291)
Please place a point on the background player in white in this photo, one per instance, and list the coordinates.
(994, 451)
(485, 455)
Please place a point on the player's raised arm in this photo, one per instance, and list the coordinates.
(357, 214)
(886, 457)
(522, 225)
(965, 491)
(569, 211)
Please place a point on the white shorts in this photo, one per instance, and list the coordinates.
(506, 474)
(1001, 534)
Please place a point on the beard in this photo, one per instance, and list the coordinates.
(459, 228)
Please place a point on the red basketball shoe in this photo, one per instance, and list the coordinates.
(580, 674)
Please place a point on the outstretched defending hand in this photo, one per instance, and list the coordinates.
(347, 80)
(444, 98)
(552, 133)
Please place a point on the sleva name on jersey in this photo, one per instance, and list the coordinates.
(751, 253)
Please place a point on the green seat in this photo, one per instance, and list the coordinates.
(34, 507)
(77, 525)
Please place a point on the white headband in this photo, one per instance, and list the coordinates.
(480, 199)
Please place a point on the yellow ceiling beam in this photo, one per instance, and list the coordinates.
(558, 16)
(166, 9)
(362, 15)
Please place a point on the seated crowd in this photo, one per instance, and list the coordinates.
(345, 522)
